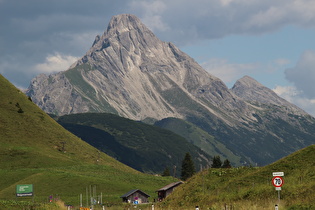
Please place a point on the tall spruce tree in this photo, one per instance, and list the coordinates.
(188, 167)
(216, 162)
(226, 164)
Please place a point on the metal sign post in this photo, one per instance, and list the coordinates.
(277, 181)
(278, 189)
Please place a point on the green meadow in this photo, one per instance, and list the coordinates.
(251, 187)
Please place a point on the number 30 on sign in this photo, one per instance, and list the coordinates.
(277, 181)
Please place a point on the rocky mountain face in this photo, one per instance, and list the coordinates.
(130, 72)
(250, 90)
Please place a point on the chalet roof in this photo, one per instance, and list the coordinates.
(174, 184)
(132, 192)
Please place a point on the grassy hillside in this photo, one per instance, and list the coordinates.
(36, 150)
(144, 147)
(251, 188)
(200, 138)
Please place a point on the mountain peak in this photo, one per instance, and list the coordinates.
(130, 72)
(126, 30)
(248, 82)
(125, 36)
(124, 22)
(249, 89)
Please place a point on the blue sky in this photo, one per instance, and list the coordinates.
(271, 41)
(265, 57)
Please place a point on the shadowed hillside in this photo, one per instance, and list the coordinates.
(141, 146)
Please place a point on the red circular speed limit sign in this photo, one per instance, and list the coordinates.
(277, 181)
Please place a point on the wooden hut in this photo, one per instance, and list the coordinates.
(135, 196)
(168, 189)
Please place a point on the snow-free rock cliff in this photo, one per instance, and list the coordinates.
(130, 72)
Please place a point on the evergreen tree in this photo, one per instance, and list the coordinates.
(216, 162)
(188, 167)
(166, 172)
(226, 164)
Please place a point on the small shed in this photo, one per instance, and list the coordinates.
(135, 196)
(167, 190)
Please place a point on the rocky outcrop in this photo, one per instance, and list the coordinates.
(130, 72)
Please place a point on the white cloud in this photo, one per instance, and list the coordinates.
(303, 74)
(287, 92)
(185, 20)
(152, 12)
(282, 61)
(69, 26)
(280, 13)
(295, 96)
(303, 78)
(228, 72)
(55, 63)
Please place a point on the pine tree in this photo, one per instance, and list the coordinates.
(188, 167)
(166, 172)
(226, 164)
(216, 162)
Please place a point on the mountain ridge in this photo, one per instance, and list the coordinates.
(250, 90)
(128, 71)
(108, 48)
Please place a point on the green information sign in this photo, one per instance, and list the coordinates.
(24, 190)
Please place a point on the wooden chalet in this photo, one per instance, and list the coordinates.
(135, 196)
(168, 189)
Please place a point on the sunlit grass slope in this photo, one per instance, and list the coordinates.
(251, 187)
(36, 150)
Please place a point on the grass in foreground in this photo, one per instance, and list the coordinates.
(251, 187)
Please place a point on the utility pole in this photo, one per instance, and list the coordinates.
(87, 197)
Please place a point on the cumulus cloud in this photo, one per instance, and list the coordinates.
(228, 72)
(151, 13)
(38, 28)
(184, 20)
(55, 63)
(303, 74)
(69, 26)
(295, 96)
(287, 92)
